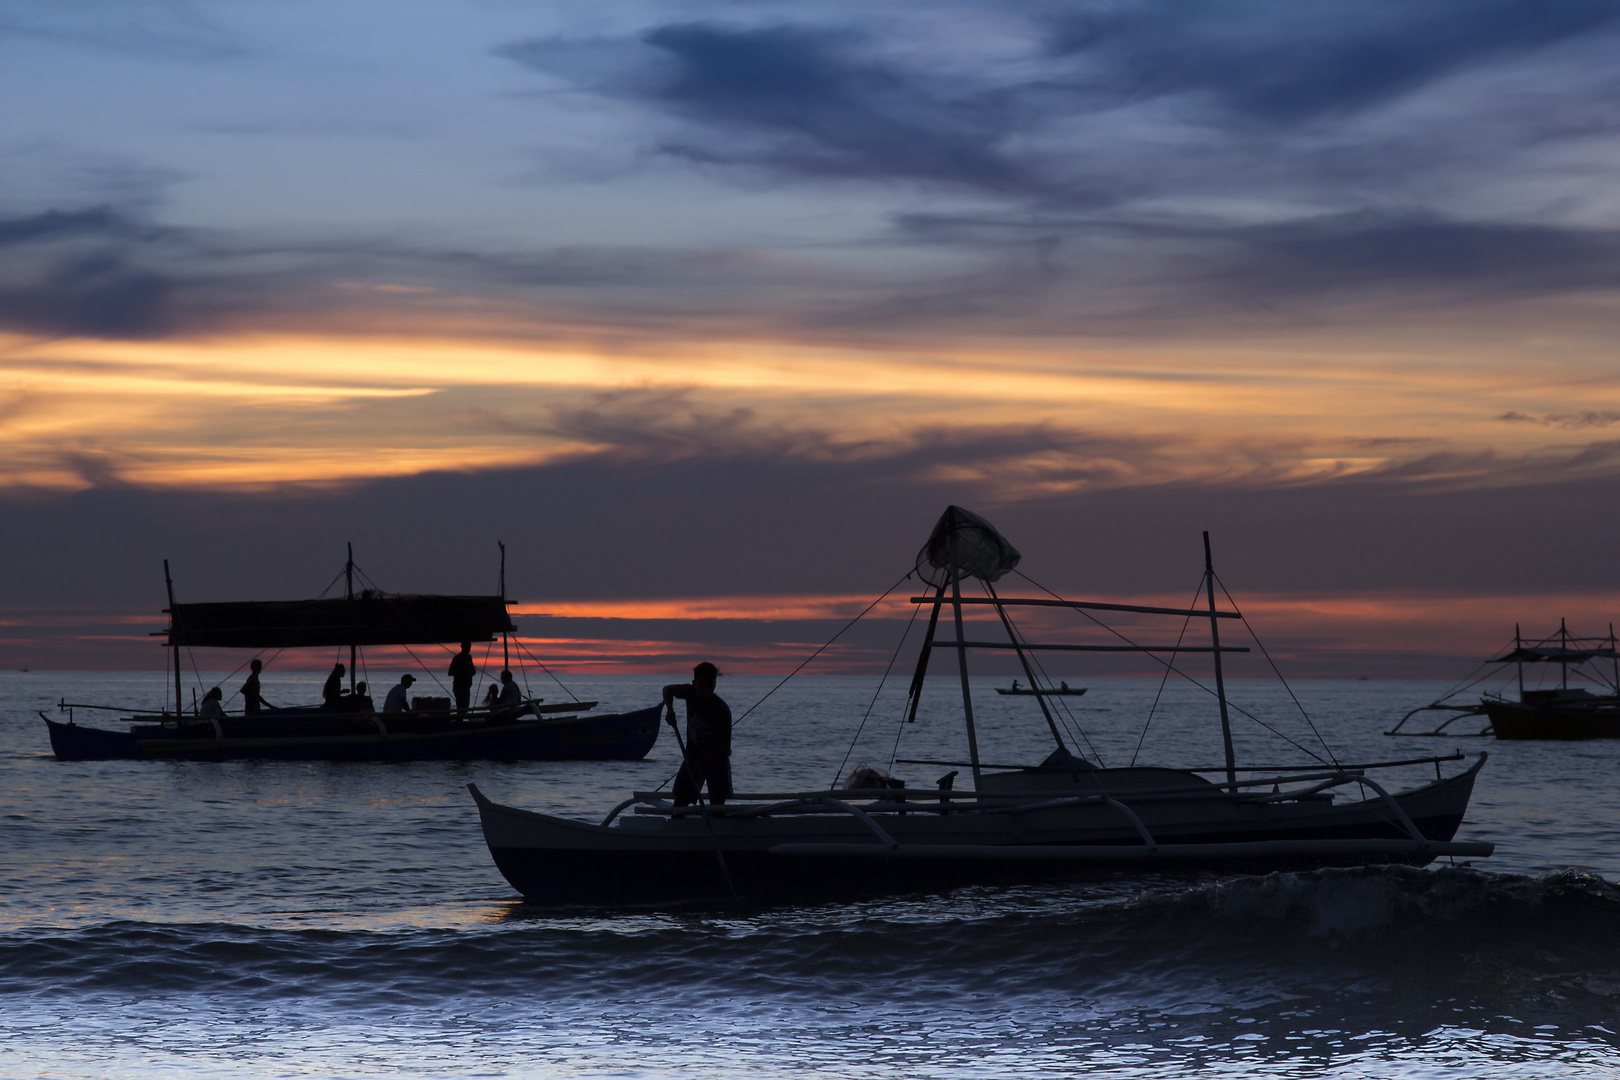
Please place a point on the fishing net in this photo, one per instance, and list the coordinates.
(964, 541)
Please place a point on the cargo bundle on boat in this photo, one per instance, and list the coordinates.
(347, 725)
(1060, 816)
(1588, 710)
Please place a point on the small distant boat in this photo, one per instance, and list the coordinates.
(1062, 689)
(1562, 712)
(1063, 816)
(350, 729)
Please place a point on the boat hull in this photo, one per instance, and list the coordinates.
(370, 737)
(657, 860)
(1567, 722)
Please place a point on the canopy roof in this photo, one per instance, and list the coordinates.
(1554, 654)
(967, 543)
(370, 618)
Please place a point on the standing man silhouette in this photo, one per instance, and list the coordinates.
(708, 737)
(462, 672)
(251, 699)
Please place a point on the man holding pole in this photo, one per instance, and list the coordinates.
(706, 753)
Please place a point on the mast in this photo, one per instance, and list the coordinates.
(1220, 682)
(1518, 644)
(506, 646)
(1615, 658)
(348, 576)
(1563, 661)
(174, 622)
(961, 664)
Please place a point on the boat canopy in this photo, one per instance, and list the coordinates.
(965, 542)
(369, 618)
(1553, 654)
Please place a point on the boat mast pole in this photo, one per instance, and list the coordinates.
(922, 657)
(1615, 659)
(1563, 661)
(348, 574)
(174, 632)
(1220, 682)
(506, 645)
(1519, 663)
(961, 664)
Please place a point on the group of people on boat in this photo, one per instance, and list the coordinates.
(504, 698)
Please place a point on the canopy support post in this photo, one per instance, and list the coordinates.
(1220, 682)
(174, 633)
(1518, 643)
(1029, 673)
(1563, 661)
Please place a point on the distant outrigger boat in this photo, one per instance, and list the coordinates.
(1563, 712)
(1062, 816)
(1061, 690)
(431, 731)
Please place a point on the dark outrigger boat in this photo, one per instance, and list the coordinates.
(351, 730)
(1561, 712)
(1061, 690)
(1060, 817)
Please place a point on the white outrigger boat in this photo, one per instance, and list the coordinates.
(1061, 817)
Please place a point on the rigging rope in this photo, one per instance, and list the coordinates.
(1165, 678)
(1245, 620)
(871, 704)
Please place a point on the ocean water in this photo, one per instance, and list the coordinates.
(262, 919)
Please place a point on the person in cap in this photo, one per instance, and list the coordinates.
(252, 700)
(398, 699)
(708, 737)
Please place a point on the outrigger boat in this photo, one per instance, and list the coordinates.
(350, 729)
(1062, 690)
(1061, 817)
(1561, 712)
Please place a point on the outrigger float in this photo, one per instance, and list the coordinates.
(1061, 817)
(351, 729)
(1561, 712)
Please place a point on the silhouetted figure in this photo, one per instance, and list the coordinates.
(332, 692)
(212, 707)
(462, 672)
(360, 700)
(1015, 684)
(251, 699)
(492, 695)
(708, 737)
(398, 699)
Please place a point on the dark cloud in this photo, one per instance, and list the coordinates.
(808, 101)
(1287, 62)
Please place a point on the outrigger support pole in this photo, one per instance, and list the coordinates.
(174, 632)
(1220, 682)
(1029, 673)
(506, 641)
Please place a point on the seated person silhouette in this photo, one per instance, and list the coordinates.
(398, 699)
(212, 707)
(332, 691)
(508, 704)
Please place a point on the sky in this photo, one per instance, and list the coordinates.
(707, 310)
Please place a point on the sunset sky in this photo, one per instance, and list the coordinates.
(708, 309)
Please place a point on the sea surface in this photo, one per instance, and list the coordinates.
(263, 919)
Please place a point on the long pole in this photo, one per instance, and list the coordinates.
(1519, 663)
(1220, 681)
(506, 646)
(348, 574)
(174, 633)
(922, 657)
(961, 665)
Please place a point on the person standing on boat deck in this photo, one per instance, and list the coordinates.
(211, 709)
(397, 701)
(332, 692)
(462, 672)
(708, 737)
(251, 699)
